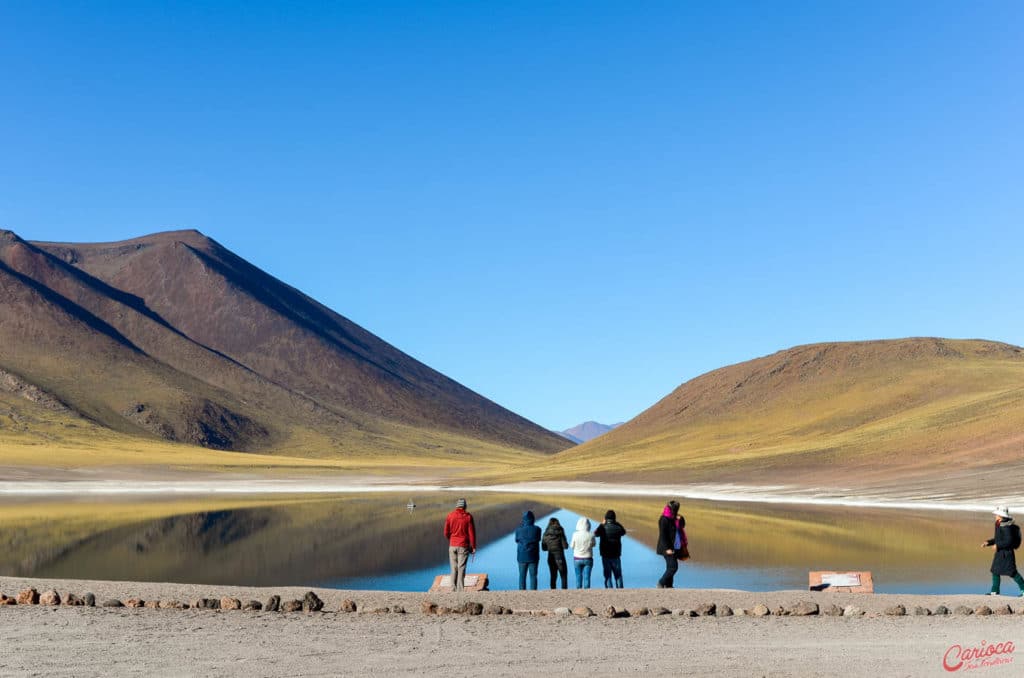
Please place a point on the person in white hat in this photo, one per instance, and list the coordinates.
(1004, 542)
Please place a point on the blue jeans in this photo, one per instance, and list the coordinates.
(612, 570)
(525, 568)
(583, 568)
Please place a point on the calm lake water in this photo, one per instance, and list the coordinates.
(370, 541)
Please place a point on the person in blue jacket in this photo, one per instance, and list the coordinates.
(528, 555)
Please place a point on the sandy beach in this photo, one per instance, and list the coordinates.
(82, 641)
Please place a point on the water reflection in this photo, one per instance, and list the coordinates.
(374, 541)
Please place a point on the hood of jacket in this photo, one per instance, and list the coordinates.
(528, 518)
(583, 525)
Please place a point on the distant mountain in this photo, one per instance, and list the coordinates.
(173, 336)
(588, 430)
(912, 412)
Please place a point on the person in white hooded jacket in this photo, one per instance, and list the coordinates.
(583, 552)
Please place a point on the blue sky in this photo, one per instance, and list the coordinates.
(571, 208)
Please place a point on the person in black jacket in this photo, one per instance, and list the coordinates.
(670, 536)
(609, 535)
(555, 543)
(1004, 542)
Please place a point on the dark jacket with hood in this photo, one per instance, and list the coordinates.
(554, 541)
(667, 531)
(1006, 539)
(528, 538)
(609, 535)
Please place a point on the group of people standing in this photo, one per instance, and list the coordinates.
(460, 530)
(608, 537)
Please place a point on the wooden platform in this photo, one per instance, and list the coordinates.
(474, 582)
(842, 582)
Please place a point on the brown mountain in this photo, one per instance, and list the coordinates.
(842, 414)
(172, 335)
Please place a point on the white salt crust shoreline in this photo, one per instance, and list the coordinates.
(77, 641)
(775, 494)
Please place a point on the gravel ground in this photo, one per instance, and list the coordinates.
(77, 641)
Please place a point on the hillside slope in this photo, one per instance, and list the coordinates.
(173, 336)
(838, 413)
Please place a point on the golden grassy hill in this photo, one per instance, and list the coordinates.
(836, 413)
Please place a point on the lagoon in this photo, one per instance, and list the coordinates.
(373, 541)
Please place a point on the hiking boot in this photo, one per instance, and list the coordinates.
(996, 593)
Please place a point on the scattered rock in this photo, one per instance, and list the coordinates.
(963, 609)
(443, 610)
(426, 607)
(398, 609)
(291, 606)
(779, 611)
(803, 609)
(981, 610)
(4, 600)
(566, 612)
(852, 611)
(725, 611)
(71, 600)
(609, 612)
(1002, 609)
(90, 600)
(474, 609)
(494, 609)
(28, 597)
(639, 612)
(706, 610)
(311, 602)
(273, 604)
(171, 605)
(113, 602)
(253, 606)
(135, 602)
(659, 611)
(508, 610)
(152, 604)
(583, 612)
(49, 598)
(228, 603)
(922, 611)
(833, 610)
(941, 609)
(760, 610)
(350, 606)
(741, 612)
(896, 611)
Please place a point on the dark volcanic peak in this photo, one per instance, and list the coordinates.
(217, 338)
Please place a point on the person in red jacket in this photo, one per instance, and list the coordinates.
(460, 532)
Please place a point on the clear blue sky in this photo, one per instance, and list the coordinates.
(571, 208)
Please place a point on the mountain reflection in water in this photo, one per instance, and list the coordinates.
(373, 541)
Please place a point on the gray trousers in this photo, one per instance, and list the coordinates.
(457, 558)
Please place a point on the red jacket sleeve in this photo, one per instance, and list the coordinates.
(448, 527)
(472, 534)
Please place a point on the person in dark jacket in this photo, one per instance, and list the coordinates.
(555, 543)
(1004, 542)
(670, 540)
(528, 553)
(609, 535)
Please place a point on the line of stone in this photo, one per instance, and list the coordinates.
(312, 603)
